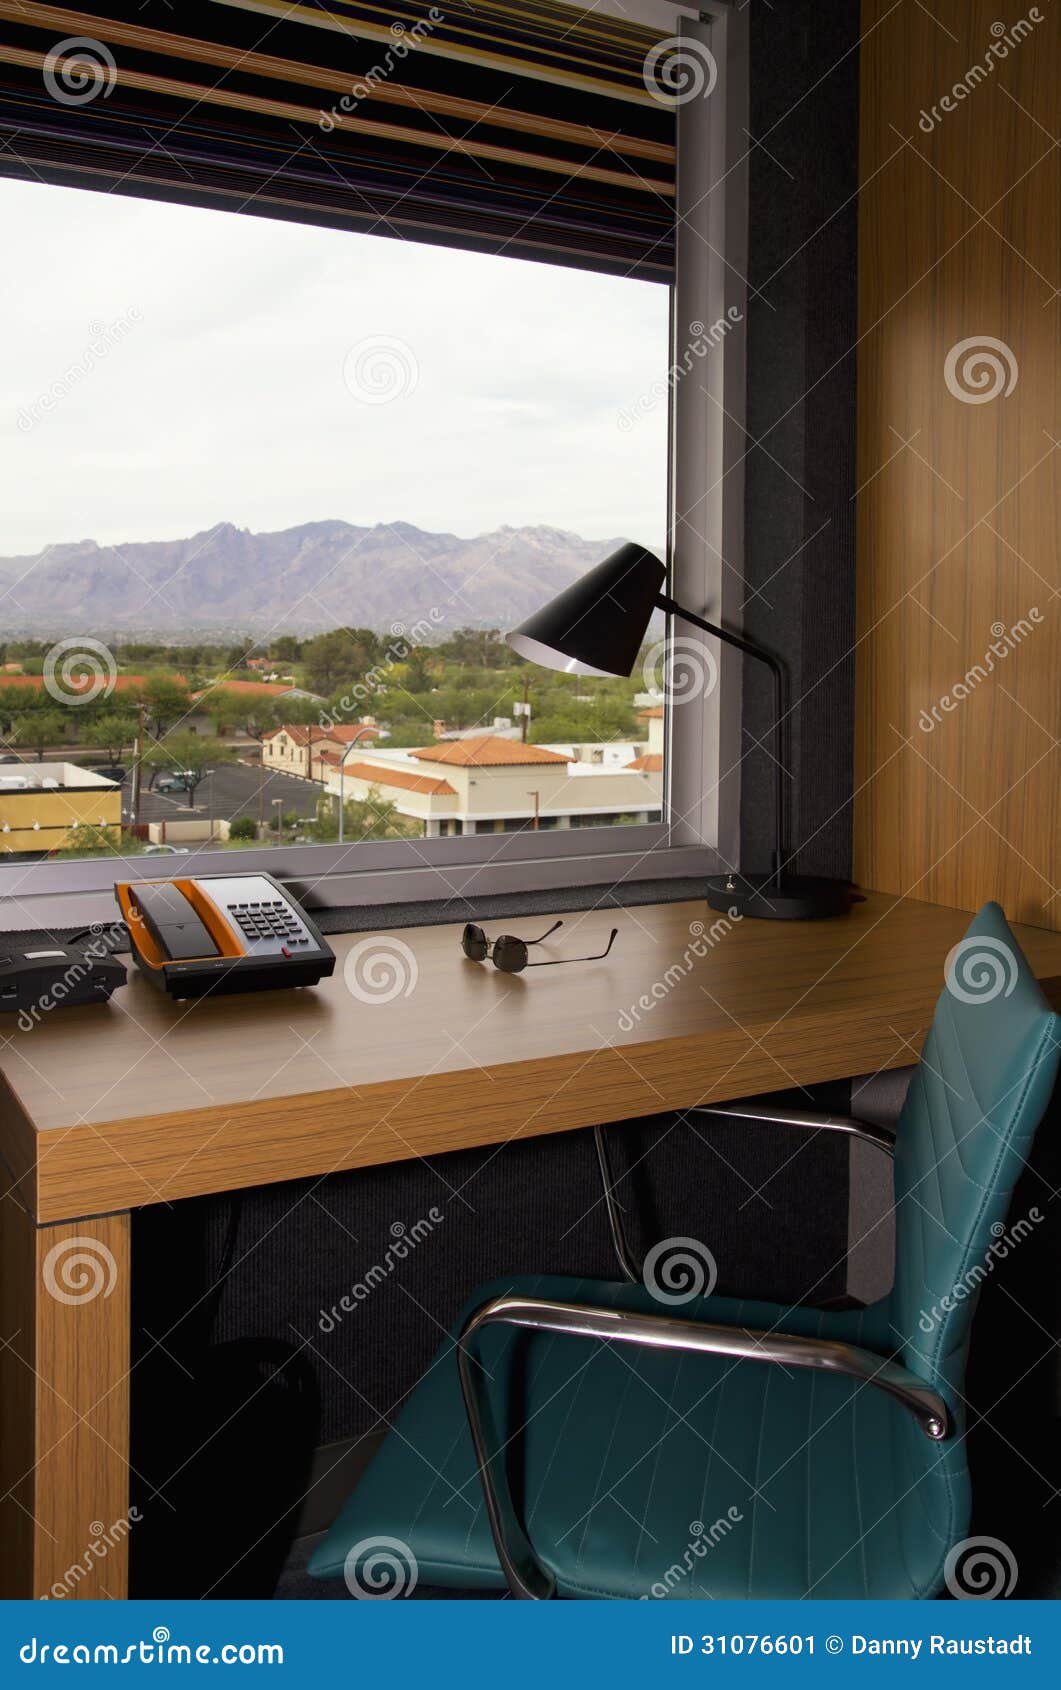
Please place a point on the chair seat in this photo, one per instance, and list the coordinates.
(642, 1473)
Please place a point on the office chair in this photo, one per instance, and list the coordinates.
(583, 1439)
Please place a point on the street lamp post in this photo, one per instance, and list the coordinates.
(278, 805)
(342, 774)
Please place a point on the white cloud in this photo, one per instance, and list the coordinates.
(226, 401)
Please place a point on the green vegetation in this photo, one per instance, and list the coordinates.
(373, 817)
(406, 685)
(189, 754)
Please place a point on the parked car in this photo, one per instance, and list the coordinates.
(165, 851)
(110, 771)
(174, 783)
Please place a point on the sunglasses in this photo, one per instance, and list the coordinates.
(510, 954)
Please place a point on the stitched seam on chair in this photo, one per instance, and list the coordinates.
(983, 1114)
(767, 1373)
(581, 1373)
(1004, 1148)
(616, 1416)
(952, 1026)
(858, 1492)
(807, 1477)
(919, 1219)
(668, 1415)
(933, 1528)
(716, 1392)
(439, 1475)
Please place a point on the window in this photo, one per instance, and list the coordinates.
(272, 493)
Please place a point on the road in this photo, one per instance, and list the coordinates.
(230, 792)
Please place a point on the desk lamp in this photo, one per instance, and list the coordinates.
(596, 627)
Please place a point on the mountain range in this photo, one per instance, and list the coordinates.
(303, 580)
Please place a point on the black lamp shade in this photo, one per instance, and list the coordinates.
(596, 626)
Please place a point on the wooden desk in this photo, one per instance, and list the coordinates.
(408, 1051)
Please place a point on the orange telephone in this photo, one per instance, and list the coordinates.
(221, 933)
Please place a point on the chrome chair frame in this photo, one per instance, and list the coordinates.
(527, 1578)
(808, 1119)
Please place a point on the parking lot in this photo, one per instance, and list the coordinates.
(231, 791)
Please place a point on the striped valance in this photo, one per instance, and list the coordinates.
(518, 126)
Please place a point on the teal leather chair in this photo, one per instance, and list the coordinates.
(584, 1439)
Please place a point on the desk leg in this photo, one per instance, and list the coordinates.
(64, 1406)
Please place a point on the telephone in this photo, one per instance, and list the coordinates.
(221, 933)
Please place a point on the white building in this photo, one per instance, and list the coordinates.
(494, 785)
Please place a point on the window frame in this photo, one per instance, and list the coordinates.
(699, 832)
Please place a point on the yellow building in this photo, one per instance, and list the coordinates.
(42, 803)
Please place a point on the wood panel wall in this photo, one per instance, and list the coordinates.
(958, 777)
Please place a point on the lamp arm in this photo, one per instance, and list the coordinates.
(776, 668)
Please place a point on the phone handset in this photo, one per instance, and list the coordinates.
(169, 917)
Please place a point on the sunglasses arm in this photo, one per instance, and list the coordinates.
(554, 962)
(544, 935)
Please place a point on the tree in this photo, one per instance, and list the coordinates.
(39, 729)
(188, 754)
(113, 732)
(259, 716)
(88, 840)
(372, 817)
(286, 649)
(339, 659)
(168, 703)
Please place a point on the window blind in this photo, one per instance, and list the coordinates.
(520, 126)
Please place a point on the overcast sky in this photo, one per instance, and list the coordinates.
(229, 390)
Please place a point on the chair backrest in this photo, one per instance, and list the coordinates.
(978, 1094)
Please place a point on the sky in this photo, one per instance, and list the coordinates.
(167, 368)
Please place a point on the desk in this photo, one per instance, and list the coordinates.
(409, 1050)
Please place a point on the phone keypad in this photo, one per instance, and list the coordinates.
(270, 919)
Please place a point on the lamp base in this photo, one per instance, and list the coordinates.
(800, 897)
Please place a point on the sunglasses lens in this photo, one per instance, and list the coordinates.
(474, 943)
(510, 954)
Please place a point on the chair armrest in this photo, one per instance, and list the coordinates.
(526, 1576)
(812, 1121)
